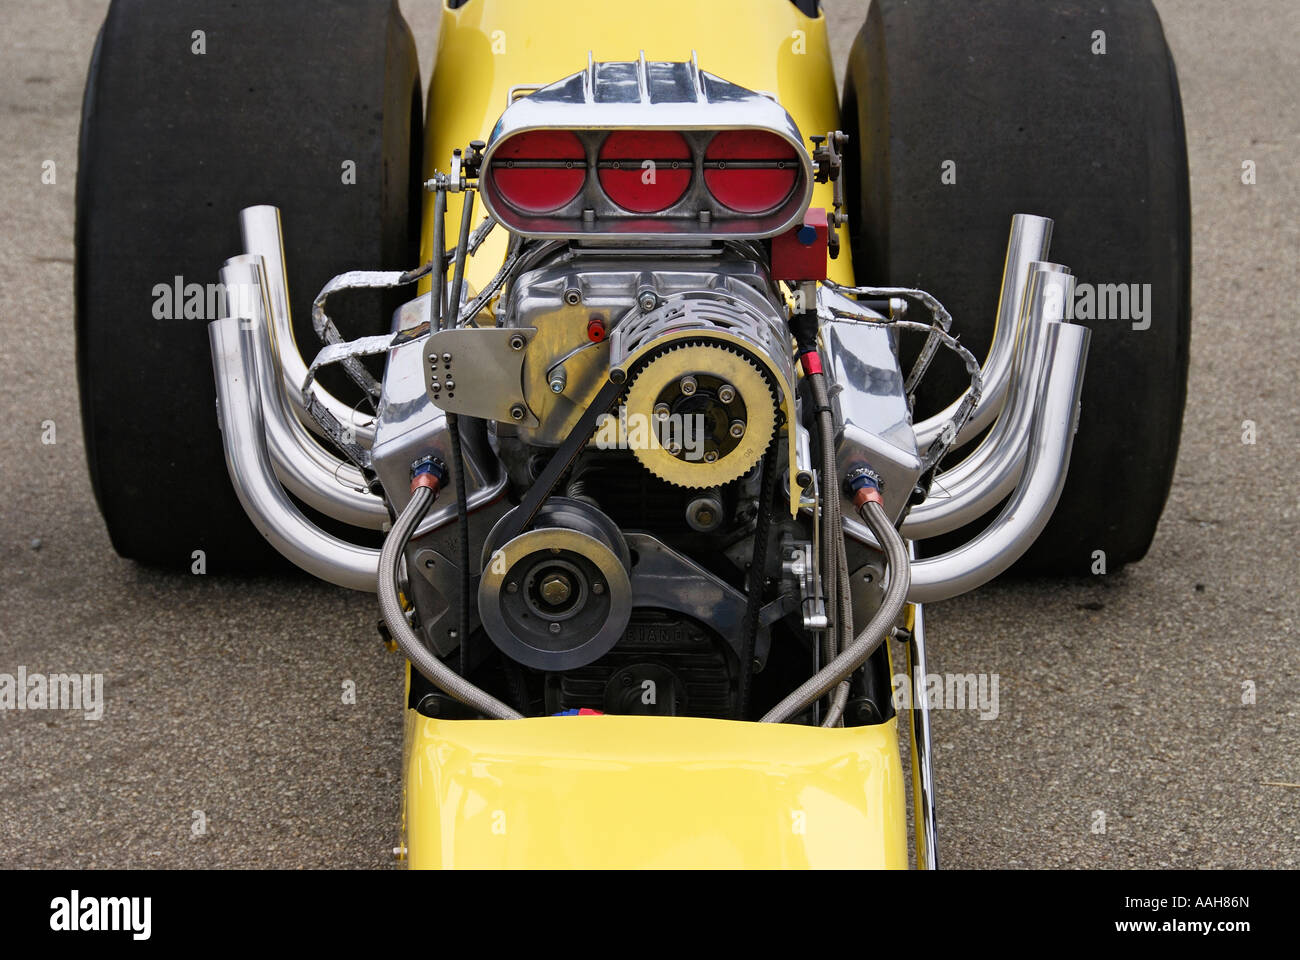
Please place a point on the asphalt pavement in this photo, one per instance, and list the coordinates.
(1147, 718)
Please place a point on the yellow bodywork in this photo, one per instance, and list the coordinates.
(488, 46)
(632, 792)
(651, 792)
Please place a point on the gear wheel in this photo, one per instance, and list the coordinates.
(704, 368)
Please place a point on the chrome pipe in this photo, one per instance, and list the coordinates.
(1056, 416)
(320, 479)
(263, 236)
(985, 478)
(925, 823)
(243, 436)
(1029, 240)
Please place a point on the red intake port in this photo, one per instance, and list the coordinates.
(539, 171)
(645, 171)
(750, 171)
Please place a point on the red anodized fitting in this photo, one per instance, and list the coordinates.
(426, 479)
(867, 494)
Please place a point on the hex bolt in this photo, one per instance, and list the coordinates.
(647, 300)
(737, 427)
(688, 386)
(726, 393)
(517, 412)
(517, 342)
(555, 589)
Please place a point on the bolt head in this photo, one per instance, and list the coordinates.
(554, 628)
(517, 412)
(647, 301)
(446, 358)
(737, 428)
(557, 385)
(688, 386)
(711, 456)
(726, 393)
(597, 588)
(516, 342)
(555, 589)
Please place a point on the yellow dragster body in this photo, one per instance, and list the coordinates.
(624, 791)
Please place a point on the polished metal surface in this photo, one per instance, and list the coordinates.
(262, 236)
(408, 427)
(636, 95)
(314, 475)
(1027, 512)
(925, 821)
(482, 378)
(243, 436)
(989, 474)
(872, 419)
(1029, 240)
(560, 299)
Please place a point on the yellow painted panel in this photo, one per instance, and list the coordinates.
(488, 46)
(651, 792)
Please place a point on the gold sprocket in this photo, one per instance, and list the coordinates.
(703, 358)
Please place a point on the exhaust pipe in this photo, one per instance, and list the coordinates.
(1028, 241)
(984, 479)
(1056, 416)
(263, 237)
(243, 436)
(331, 485)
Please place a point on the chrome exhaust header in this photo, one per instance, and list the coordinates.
(320, 479)
(1051, 438)
(979, 483)
(263, 236)
(1028, 242)
(244, 438)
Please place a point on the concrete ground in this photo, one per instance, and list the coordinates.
(1159, 703)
